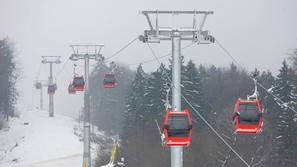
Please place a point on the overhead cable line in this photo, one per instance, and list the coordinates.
(160, 57)
(38, 72)
(113, 55)
(202, 118)
(269, 92)
(123, 48)
(62, 68)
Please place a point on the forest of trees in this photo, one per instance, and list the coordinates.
(9, 76)
(107, 105)
(140, 98)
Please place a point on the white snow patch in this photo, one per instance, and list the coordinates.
(108, 165)
(35, 139)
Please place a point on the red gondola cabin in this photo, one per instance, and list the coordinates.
(248, 116)
(38, 85)
(51, 89)
(109, 81)
(177, 128)
(78, 83)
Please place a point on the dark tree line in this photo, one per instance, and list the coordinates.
(134, 108)
(107, 105)
(9, 76)
(212, 91)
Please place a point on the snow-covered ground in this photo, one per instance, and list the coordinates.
(37, 140)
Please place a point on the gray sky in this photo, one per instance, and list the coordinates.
(258, 33)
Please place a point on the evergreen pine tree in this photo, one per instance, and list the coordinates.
(286, 139)
(133, 132)
(284, 87)
(266, 79)
(192, 86)
(158, 85)
(9, 76)
(135, 100)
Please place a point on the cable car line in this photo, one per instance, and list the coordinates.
(123, 48)
(119, 51)
(38, 72)
(201, 117)
(62, 69)
(160, 57)
(218, 135)
(269, 92)
(277, 98)
(109, 79)
(248, 114)
(150, 60)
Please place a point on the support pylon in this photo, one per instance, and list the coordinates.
(86, 53)
(176, 34)
(51, 60)
(39, 84)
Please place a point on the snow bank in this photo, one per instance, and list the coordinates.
(35, 139)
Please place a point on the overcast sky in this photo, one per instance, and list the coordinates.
(258, 33)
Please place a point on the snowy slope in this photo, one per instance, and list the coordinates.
(43, 142)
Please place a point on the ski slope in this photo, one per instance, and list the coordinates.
(37, 140)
